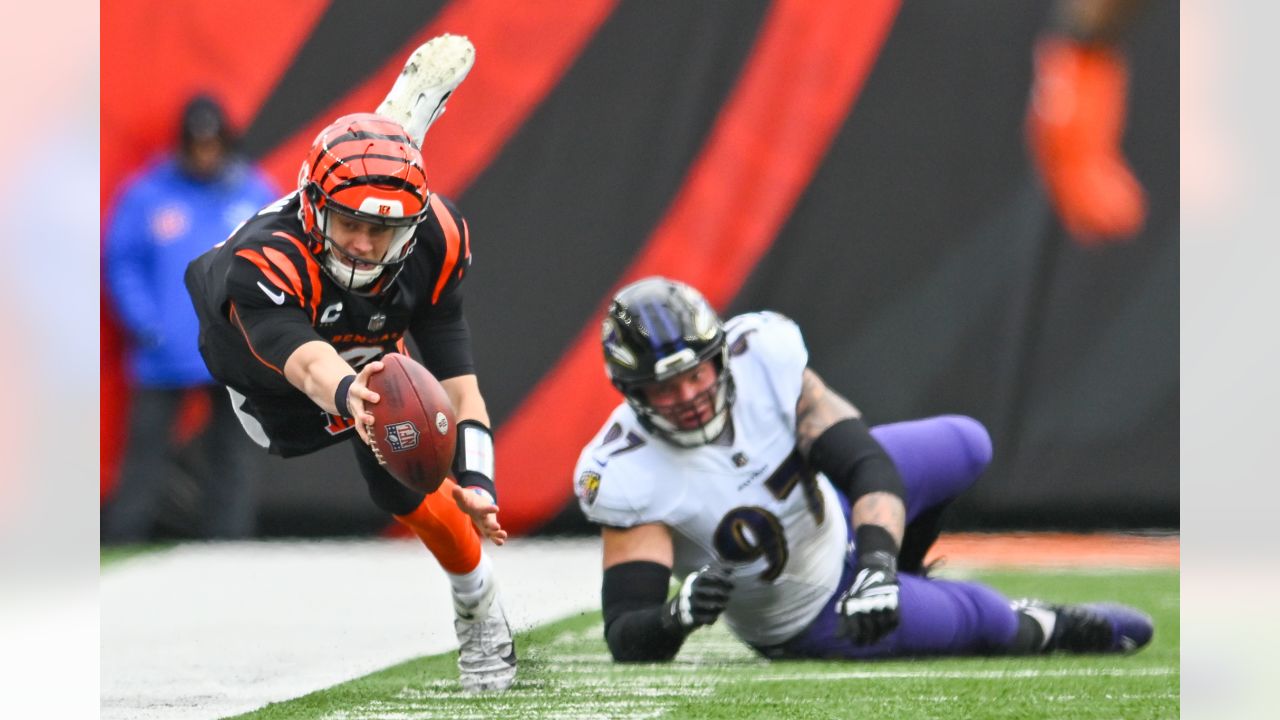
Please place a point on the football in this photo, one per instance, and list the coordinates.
(413, 433)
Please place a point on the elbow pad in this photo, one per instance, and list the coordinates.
(638, 627)
(854, 461)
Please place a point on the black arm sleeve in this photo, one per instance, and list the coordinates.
(854, 461)
(444, 338)
(638, 625)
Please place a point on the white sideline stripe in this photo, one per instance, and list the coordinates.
(211, 630)
(969, 674)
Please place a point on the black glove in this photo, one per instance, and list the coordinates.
(702, 597)
(869, 608)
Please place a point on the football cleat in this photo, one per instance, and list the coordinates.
(486, 649)
(1089, 628)
(429, 77)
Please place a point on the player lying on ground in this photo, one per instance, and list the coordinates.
(732, 463)
(299, 303)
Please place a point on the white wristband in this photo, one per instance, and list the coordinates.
(475, 449)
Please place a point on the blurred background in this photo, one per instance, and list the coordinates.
(861, 167)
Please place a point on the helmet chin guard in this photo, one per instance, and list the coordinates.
(722, 402)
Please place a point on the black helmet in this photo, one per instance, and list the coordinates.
(656, 329)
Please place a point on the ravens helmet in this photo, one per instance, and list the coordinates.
(656, 329)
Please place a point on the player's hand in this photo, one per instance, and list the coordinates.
(479, 505)
(702, 597)
(1075, 124)
(868, 610)
(359, 397)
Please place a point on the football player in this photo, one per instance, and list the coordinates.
(299, 304)
(734, 465)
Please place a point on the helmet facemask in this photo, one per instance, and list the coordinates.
(356, 273)
(656, 419)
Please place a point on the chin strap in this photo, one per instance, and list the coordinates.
(347, 276)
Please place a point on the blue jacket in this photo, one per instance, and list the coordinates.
(162, 220)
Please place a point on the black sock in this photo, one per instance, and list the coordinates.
(1029, 639)
(919, 536)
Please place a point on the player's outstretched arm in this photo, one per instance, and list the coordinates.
(831, 434)
(640, 623)
(473, 462)
(317, 370)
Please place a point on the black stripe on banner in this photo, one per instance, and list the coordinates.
(928, 275)
(349, 43)
(574, 195)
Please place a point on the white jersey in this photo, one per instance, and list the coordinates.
(753, 505)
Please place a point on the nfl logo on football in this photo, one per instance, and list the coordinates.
(402, 436)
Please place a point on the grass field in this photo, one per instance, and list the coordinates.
(565, 672)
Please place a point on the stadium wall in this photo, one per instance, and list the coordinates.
(857, 166)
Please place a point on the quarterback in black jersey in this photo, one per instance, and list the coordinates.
(299, 304)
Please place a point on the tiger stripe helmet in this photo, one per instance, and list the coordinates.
(363, 166)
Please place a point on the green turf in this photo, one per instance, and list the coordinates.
(114, 554)
(565, 672)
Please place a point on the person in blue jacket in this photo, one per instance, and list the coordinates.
(175, 209)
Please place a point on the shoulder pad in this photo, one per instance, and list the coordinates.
(274, 269)
(608, 490)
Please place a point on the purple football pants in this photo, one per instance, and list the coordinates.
(939, 458)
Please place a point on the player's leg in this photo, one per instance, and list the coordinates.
(130, 514)
(944, 617)
(939, 458)
(446, 531)
(429, 77)
(486, 653)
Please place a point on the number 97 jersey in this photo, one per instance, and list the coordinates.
(753, 504)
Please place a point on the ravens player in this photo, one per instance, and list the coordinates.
(299, 303)
(733, 464)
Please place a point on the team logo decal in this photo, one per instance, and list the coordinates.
(384, 209)
(377, 321)
(740, 459)
(442, 423)
(589, 486)
(402, 436)
(618, 352)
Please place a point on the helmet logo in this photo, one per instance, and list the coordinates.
(705, 323)
(617, 351)
(384, 209)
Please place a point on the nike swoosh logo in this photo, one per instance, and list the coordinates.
(276, 297)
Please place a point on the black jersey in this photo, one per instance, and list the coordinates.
(262, 294)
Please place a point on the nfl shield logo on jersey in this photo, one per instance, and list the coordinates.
(377, 321)
(588, 486)
(402, 436)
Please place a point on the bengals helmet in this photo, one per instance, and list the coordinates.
(656, 329)
(365, 167)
